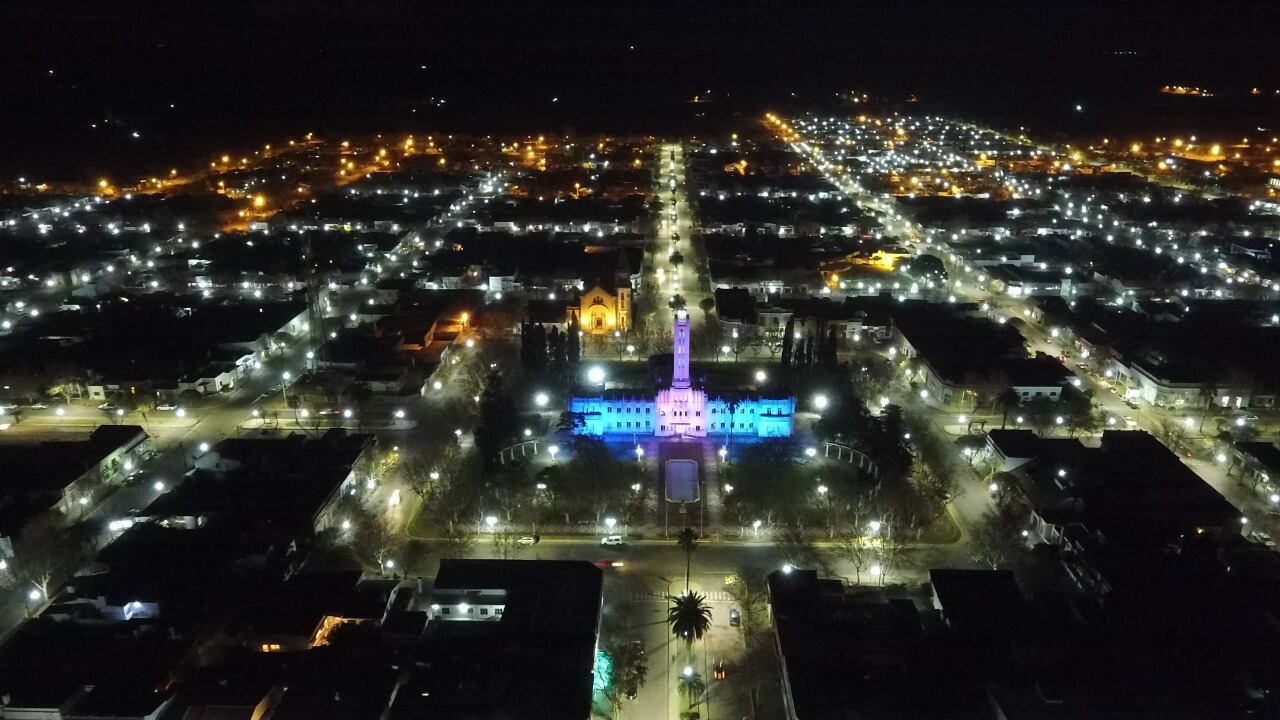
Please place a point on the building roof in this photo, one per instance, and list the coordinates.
(534, 663)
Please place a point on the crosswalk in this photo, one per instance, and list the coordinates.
(639, 597)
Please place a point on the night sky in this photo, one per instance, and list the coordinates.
(245, 72)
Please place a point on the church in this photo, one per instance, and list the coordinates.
(681, 410)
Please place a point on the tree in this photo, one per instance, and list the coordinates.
(630, 669)
(707, 304)
(788, 341)
(750, 593)
(935, 486)
(689, 617)
(46, 550)
(506, 545)
(372, 537)
(573, 341)
(997, 537)
(688, 541)
(676, 303)
(1007, 400)
(497, 423)
(691, 686)
(676, 259)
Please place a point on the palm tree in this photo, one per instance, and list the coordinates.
(688, 541)
(1007, 400)
(691, 686)
(689, 617)
(733, 416)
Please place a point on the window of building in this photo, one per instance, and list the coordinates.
(484, 611)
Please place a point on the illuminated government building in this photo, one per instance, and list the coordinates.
(682, 410)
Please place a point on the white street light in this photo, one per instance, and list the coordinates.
(761, 376)
(595, 375)
(346, 413)
(158, 485)
(541, 399)
(553, 449)
(491, 522)
(180, 412)
(204, 447)
(610, 522)
(874, 526)
(723, 452)
(34, 595)
(399, 414)
(639, 452)
(810, 452)
(820, 402)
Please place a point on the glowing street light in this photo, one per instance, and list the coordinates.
(820, 402)
(491, 522)
(553, 450)
(541, 399)
(761, 376)
(755, 527)
(610, 522)
(810, 452)
(595, 375)
(639, 452)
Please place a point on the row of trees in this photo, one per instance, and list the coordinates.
(809, 351)
(541, 350)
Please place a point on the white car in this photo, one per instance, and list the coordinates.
(612, 540)
(528, 540)
(166, 406)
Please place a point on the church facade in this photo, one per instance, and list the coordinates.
(681, 410)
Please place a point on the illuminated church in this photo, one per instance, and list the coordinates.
(683, 411)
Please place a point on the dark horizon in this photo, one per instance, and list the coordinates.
(194, 81)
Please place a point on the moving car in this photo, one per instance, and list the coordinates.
(528, 540)
(166, 406)
(609, 540)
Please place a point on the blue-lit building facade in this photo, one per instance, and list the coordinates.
(683, 410)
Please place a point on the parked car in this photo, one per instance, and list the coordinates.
(612, 540)
(108, 406)
(39, 405)
(166, 406)
(528, 540)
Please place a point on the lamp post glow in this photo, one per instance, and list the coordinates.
(491, 522)
(639, 452)
(761, 376)
(553, 450)
(541, 399)
(595, 375)
(820, 402)
(755, 527)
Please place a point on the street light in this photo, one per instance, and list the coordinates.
(610, 522)
(203, 447)
(595, 375)
(180, 412)
(553, 449)
(639, 452)
(761, 376)
(399, 414)
(159, 486)
(491, 522)
(820, 402)
(810, 452)
(874, 526)
(755, 526)
(723, 452)
(541, 399)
